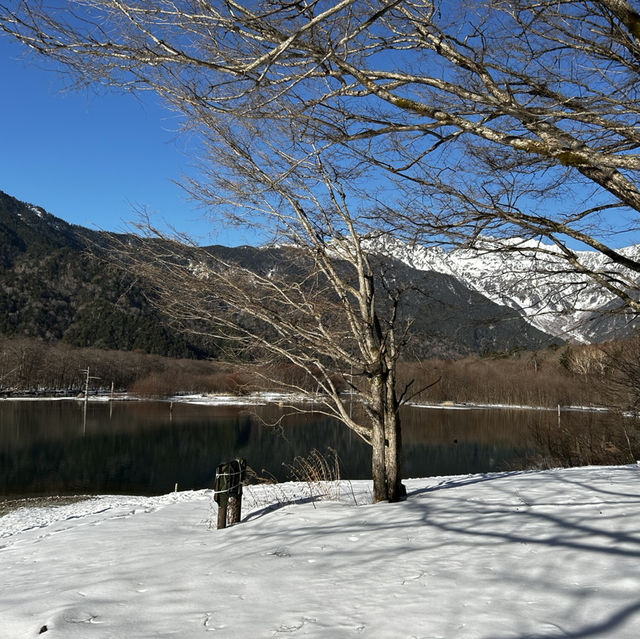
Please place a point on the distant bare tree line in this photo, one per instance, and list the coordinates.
(33, 366)
(517, 380)
(596, 375)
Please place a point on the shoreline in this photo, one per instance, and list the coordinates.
(262, 398)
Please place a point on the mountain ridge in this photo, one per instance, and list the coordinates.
(535, 283)
(53, 287)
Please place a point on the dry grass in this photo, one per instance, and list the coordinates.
(321, 474)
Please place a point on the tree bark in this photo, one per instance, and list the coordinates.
(386, 466)
(378, 469)
(396, 490)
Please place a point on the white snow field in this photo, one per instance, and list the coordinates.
(507, 555)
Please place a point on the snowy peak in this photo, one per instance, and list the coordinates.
(530, 277)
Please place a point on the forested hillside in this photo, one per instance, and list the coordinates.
(60, 282)
(57, 283)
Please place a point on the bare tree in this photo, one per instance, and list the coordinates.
(325, 305)
(621, 375)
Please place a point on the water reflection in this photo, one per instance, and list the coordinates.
(48, 447)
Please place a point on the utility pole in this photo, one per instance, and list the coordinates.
(86, 397)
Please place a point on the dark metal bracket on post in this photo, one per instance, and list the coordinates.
(227, 491)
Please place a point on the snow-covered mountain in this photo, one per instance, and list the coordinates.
(531, 278)
(471, 300)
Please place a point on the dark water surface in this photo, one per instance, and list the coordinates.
(47, 448)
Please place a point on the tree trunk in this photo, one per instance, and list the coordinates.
(386, 462)
(396, 490)
(378, 470)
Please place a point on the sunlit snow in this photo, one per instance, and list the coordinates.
(510, 555)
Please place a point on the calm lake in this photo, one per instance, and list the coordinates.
(48, 448)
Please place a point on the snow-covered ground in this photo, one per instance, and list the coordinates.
(509, 555)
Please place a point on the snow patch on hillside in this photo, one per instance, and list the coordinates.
(38, 211)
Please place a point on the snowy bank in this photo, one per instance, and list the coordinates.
(509, 555)
(264, 398)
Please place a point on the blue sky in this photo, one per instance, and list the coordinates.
(94, 159)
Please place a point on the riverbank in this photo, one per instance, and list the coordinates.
(520, 554)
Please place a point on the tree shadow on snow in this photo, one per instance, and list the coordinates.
(277, 505)
(554, 510)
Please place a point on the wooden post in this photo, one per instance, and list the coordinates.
(236, 477)
(228, 491)
(86, 398)
(234, 510)
(221, 493)
(222, 516)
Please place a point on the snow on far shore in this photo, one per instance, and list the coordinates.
(251, 399)
(204, 399)
(272, 397)
(507, 555)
